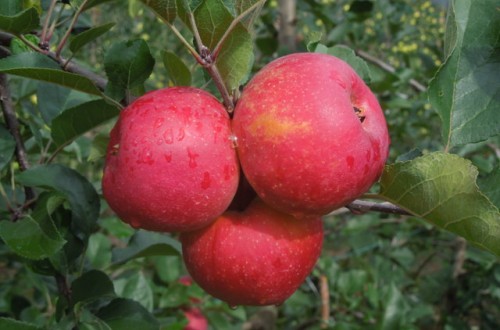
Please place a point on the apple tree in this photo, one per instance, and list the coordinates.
(420, 249)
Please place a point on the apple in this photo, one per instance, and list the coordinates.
(259, 256)
(170, 163)
(311, 135)
(196, 319)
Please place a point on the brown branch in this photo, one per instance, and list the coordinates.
(288, 19)
(325, 301)
(360, 206)
(458, 265)
(63, 288)
(99, 81)
(12, 123)
(387, 67)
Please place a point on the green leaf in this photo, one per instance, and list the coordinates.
(27, 238)
(177, 71)
(394, 310)
(490, 186)
(22, 22)
(344, 53)
(127, 64)
(465, 91)
(125, 314)
(242, 5)
(17, 46)
(144, 244)
(10, 7)
(80, 193)
(441, 188)
(236, 56)
(88, 321)
(11, 324)
(99, 251)
(136, 288)
(93, 3)
(52, 100)
(80, 119)
(166, 9)
(91, 286)
(7, 146)
(82, 39)
(39, 67)
(98, 148)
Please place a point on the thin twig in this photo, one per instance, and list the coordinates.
(360, 206)
(196, 33)
(387, 67)
(287, 34)
(65, 38)
(44, 42)
(206, 59)
(325, 301)
(13, 126)
(31, 45)
(185, 42)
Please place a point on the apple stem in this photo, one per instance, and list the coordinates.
(207, 58)
(208, 62)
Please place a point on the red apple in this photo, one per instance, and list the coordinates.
(311, 135)
(196, 319)
(256, 257)
(170, 163)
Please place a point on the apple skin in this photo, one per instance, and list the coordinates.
(256, 257)
(170, 164)
(301, 144)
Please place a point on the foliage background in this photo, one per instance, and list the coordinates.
(380, 271)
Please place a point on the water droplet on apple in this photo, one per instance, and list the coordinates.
(168, 136)
(181, 134)
(192, 158)
(158, 122)
(146, 157)
(350, 162)
(134, 223)
(234, 141)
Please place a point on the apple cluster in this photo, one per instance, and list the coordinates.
(247, 193)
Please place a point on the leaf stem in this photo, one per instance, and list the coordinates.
(196, 33)
(185, 42)
(236, 21)
(205, 58)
